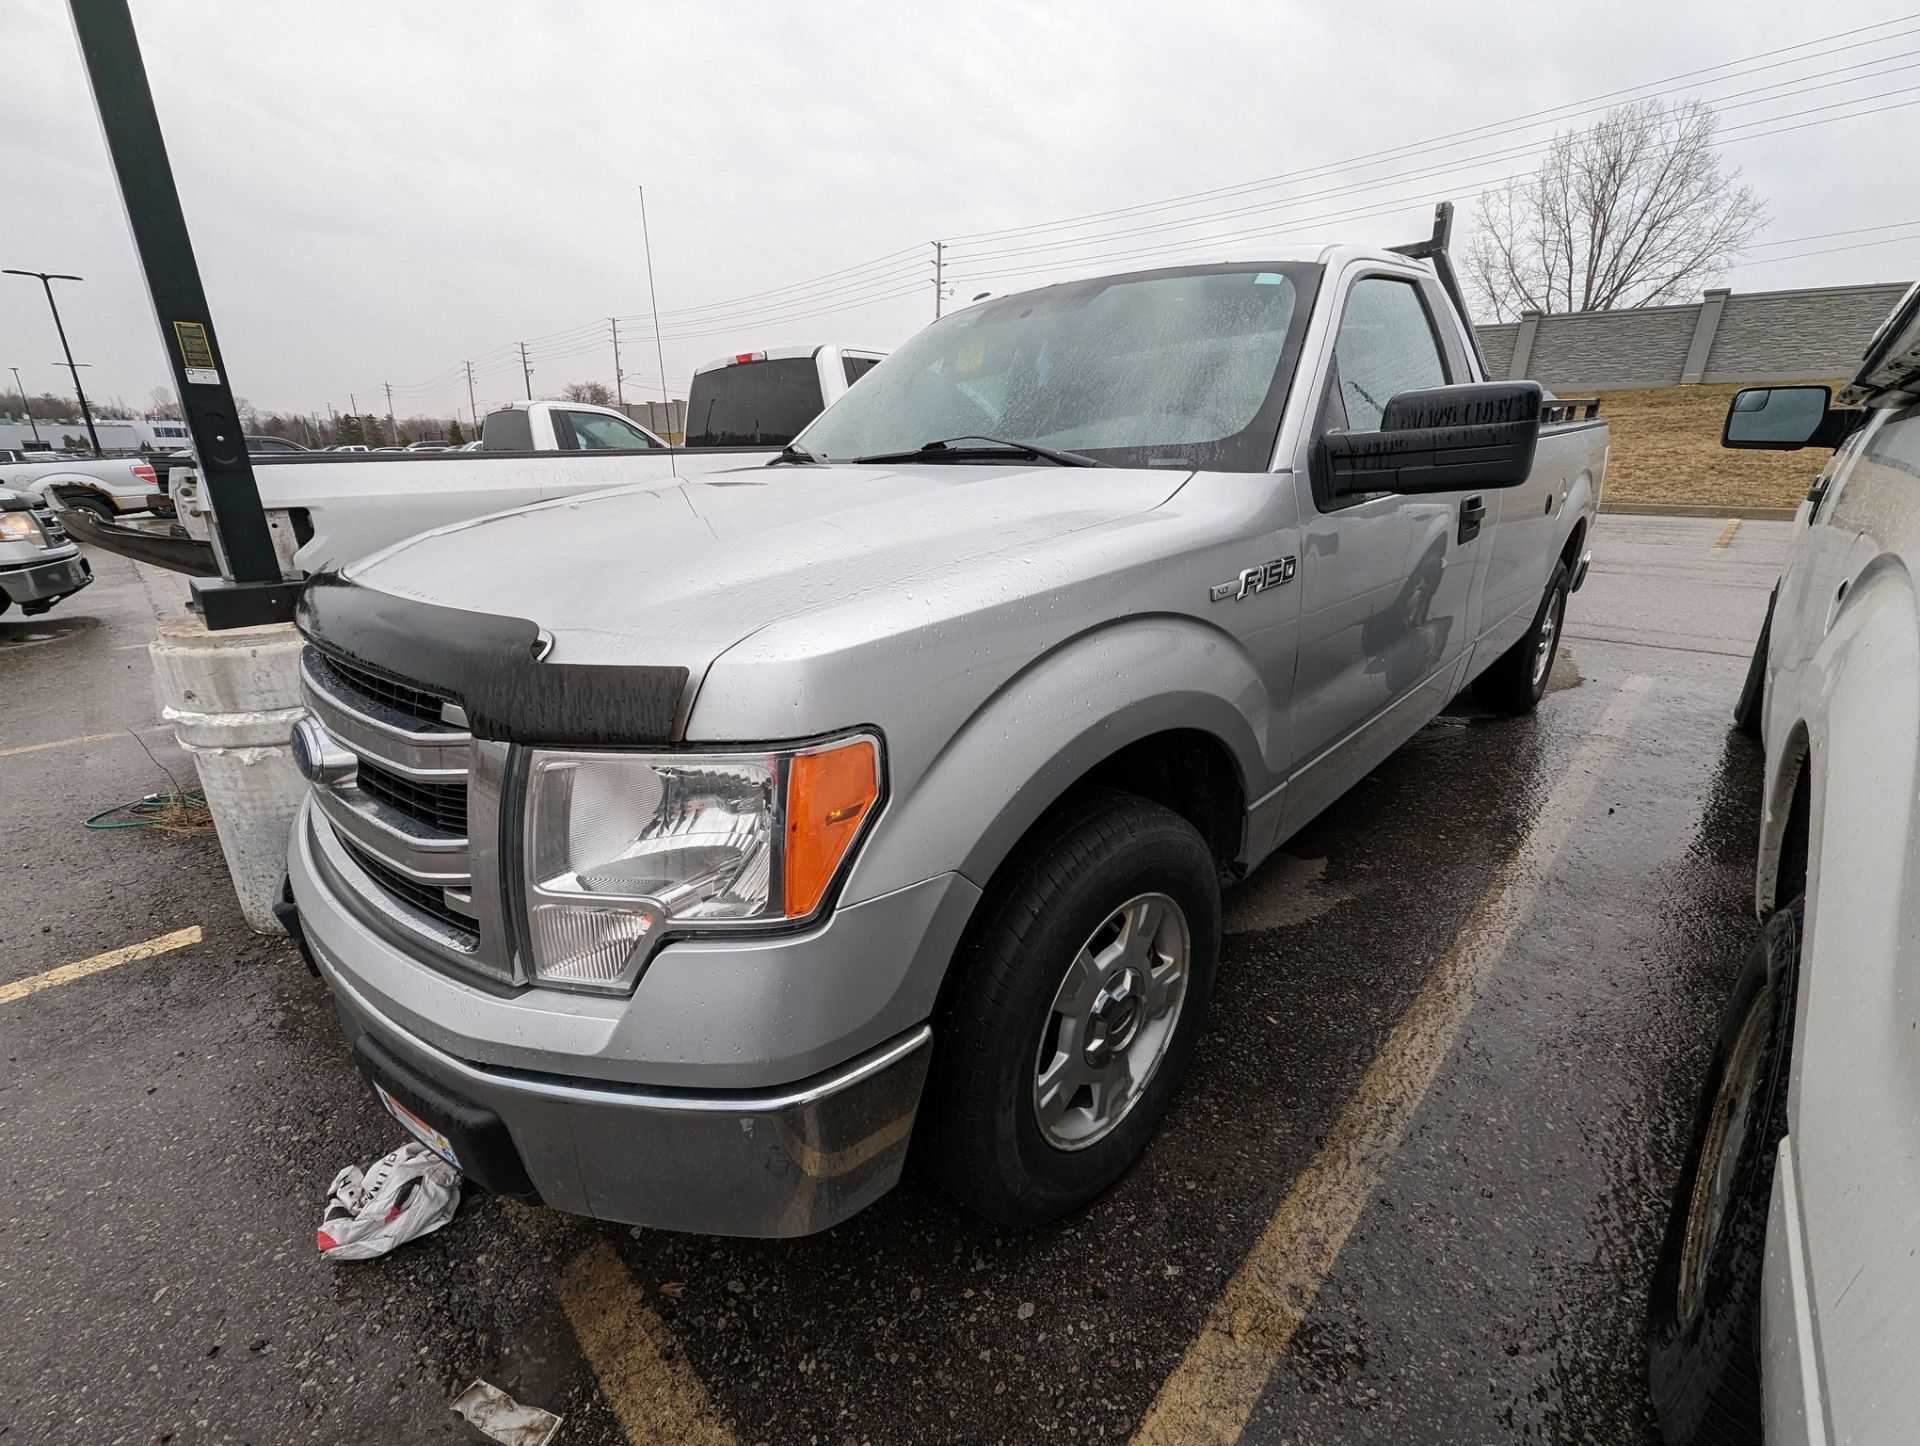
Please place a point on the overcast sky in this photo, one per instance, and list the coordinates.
(378, 192)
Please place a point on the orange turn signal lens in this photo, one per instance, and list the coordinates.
(829, 795)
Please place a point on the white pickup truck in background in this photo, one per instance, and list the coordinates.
(765, 398)
(327, 508)
(104, 487)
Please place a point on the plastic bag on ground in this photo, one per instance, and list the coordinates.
(409, 1193)
(497, 1415)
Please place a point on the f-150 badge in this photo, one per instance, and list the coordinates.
(1253, 580)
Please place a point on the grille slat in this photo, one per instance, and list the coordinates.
(427, 899)
(414, 702)
(441, 806)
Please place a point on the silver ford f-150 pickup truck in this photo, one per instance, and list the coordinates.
(676, 853)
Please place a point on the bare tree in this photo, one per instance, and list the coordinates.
(598, 393)
(1636, 211)
(162, 404)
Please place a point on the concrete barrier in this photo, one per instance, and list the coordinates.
(233, 698)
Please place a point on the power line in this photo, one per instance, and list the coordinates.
(1531, 116)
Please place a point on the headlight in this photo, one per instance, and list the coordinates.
(21, 527)
(620, 847)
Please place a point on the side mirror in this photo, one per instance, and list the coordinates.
(1441, 439)
(1776, 419)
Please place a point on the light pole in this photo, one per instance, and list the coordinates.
(26, 404)
(47, 278)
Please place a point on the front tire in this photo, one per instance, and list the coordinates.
(1703, 1315)
(1517, 681)
(1074, 1009)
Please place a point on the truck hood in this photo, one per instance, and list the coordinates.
(676, 573)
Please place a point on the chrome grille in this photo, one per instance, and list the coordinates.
(401, 817)
(441, 806)
(426, 900)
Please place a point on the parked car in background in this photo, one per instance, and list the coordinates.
(1787, 1295)
(103, 486)
(39, 563)
(1084, 600)
(767, 398)
(548, 426)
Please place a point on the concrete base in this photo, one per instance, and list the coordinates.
(233, 698)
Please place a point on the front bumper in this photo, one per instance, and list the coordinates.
(763, 1163)
(677, 1106)
(46, 582)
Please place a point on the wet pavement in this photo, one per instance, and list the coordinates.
(1510, 942)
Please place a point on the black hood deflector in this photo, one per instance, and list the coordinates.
(490, 665)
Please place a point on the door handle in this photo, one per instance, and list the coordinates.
(1472, 513)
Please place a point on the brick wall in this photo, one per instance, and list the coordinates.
(1752, 337)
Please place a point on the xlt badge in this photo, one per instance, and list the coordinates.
(1254, 579)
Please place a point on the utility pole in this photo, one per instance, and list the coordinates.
(25, 404)
(619, 377)
(939, 277)
(659, 351)
(526, 371)
(392, 435)
(46, 279)
(472, 409)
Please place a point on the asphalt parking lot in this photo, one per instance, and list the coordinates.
(1411, 1191)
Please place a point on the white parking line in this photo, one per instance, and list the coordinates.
(1219, 1380)
(112, 959)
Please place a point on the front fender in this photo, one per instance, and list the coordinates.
(1047, 726)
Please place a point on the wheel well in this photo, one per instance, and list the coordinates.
(1191, 773)
(1570, 554)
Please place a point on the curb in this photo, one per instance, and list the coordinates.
(1664, 509)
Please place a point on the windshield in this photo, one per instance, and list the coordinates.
(1186, 367)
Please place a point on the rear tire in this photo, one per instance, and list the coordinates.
(1080, 989)
(1703, 1315)
(86, 502)
(1747, 713)
(1517, 681)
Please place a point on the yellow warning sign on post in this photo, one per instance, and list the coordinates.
(196, 352)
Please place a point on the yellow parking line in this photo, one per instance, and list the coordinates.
(57, 743)
(112, 959)
(1726, 534)
(643, 1377)
(1214, 1389)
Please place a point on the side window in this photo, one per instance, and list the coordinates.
(592, 432)
(1386, 345)
(510, 430)
(858, 366)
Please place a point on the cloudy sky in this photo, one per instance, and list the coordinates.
(379, 192)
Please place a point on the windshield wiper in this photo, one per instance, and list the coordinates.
(943, 450)
(796, 454)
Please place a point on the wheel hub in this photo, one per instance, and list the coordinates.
(1111, 1021)
(1114, 1021)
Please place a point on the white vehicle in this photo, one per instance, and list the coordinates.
(326, 507)
(1788, 1289)
(563, 427)
(766, 398)
(103, 486)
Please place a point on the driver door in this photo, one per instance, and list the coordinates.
(1387, 581)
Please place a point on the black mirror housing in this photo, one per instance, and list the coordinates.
(1441, 439)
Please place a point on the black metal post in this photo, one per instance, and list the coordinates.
(46, 280)
(252, 590)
